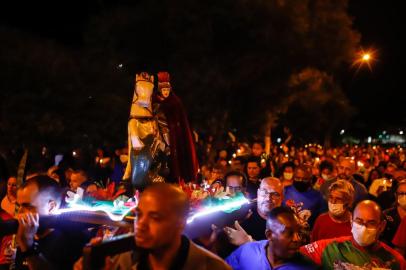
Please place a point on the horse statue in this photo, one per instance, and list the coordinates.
(144, 139)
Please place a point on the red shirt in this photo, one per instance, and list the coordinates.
(400, 237)
(5, 241)
(326, 228)
(345, 253)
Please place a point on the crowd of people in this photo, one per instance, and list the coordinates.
(312, 208)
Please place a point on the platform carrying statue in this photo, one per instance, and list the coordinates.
(144, 139)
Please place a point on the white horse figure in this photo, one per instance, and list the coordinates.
(143, 133)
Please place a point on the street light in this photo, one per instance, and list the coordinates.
(365, 57)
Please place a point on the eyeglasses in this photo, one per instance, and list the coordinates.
(273, 194)
(401, 193)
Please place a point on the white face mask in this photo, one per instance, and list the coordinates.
(287, 176)
(362, 235)
(336, 209)
(402, 201)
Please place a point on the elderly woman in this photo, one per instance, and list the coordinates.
(336, 222)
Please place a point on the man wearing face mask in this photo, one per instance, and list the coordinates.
(394, 215)
(326, 169)
(309, 203)
(362, 250)
(337, 221)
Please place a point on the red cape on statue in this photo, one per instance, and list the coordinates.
(183, 162)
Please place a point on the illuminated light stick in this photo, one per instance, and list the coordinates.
(111, 212)
(198, 225)
(226, 207)
(74, 220)
(116, 210)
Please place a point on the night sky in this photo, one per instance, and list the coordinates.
(377, 94)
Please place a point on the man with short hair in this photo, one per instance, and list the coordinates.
(237, 164)
(362, 250)
(78, 178)
(257, 148)
(161, 217)
(235, 182)
(394, 215)
(345, 170)
(270, 195)
(308, 202)
(253, 169)
(44, 248)
(278, 251)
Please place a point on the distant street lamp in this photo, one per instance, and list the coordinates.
(365, 58)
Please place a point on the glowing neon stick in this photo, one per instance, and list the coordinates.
(108, 210)
(116, 212)
(224, 207)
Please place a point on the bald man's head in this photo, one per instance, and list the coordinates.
(170, 195)
(270, 195)
(368, 209)
(368, 223)
(161, 216)
(283, 232)
(272, 181)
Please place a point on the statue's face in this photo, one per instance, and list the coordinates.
(165, 92)
(144, 91)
